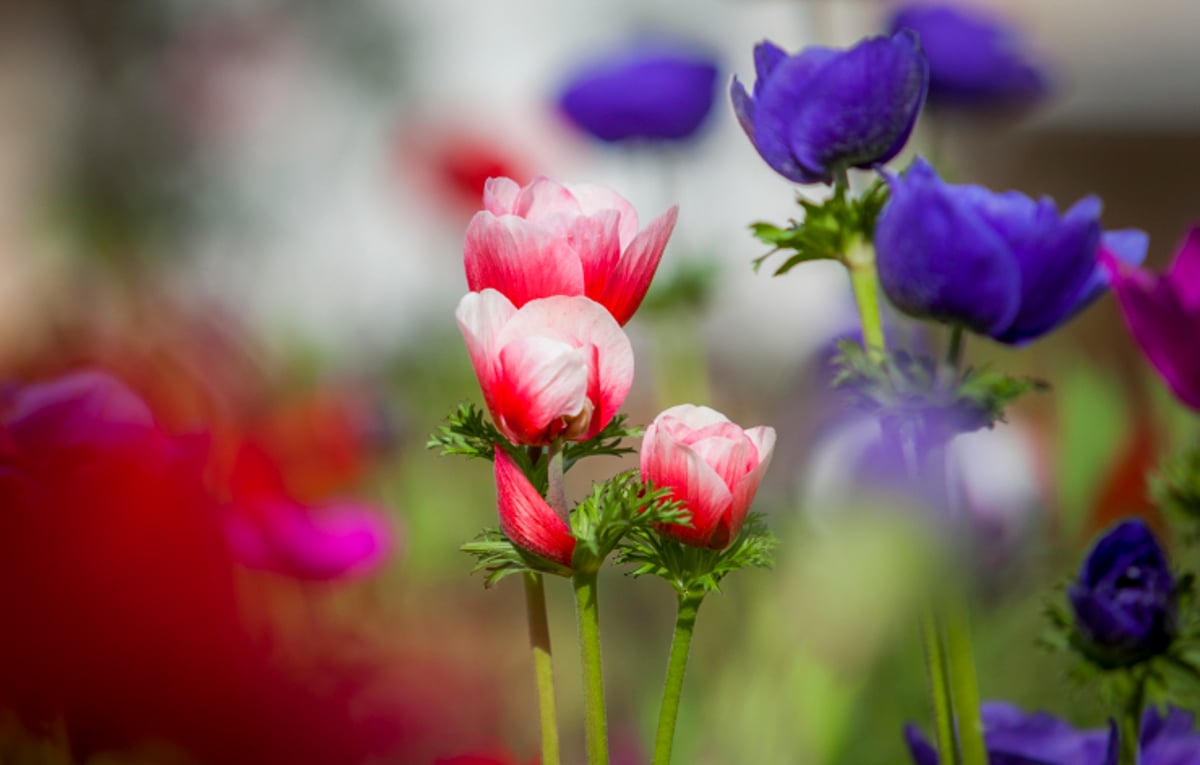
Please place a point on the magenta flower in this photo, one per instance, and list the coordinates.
(559, 367)
(1163, 313)
(548, 239)
(270, 530)
(526, 518)
(711, 465)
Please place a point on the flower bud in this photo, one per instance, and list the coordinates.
(1125, 598)
(711, 465)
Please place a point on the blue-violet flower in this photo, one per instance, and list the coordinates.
(821, 111)
(1016, 738)
(1124, 599)
(1002, 265)
(975, 58)
(656, 89)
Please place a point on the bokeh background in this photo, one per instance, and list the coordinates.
(253, 212)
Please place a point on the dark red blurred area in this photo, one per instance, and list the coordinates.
(127, 618)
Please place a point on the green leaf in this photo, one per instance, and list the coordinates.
(1175, 487)
(617, 507)
(496, 554)
(691, 569)
(827, 230)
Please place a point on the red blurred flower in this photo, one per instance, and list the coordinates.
(711, 465)
(559, 367)
(549, 239)
(124, 621)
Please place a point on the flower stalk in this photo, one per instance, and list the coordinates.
(964, 686)
(539, 642)
(595, 717)
(681, 642)
(938, 675)
(1131, 721)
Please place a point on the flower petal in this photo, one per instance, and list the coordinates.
(481, 316)
(774, 104)
(627, 286)
(594, 199)
(1184, 275)
(668, 463)
(938, 258)
(500, 196)
(526, 518)
(540, 382)
(523, 260)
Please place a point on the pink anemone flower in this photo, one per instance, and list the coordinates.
(558, 367)
(548, 238)
(711, 465)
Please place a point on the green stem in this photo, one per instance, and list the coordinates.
(964, 685)
(860, 260)
(595, 718)
(938, 670)
(539, 641)
(556, 486)
(681, 642)
(1131, 722)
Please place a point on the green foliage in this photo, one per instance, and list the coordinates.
(499, 557)
(469, 432)
(908, 387)
(1176, 486)
(692, 569)
(616, 508)
(828, 230)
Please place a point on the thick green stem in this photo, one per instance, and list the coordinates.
(595, 717)
(539, 641)
(964, 686)
(681, 642)
(1131, 722)
(860, 260)
(938, 671)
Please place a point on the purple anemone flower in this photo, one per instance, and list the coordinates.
(1002, 265)
(1163, 313)
(655, 89)
(1124, 599)
(821, 111)
(1016, 738)
(975, 58)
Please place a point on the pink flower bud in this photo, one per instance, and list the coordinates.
(557, 367)
(526, 518)
(549, 239)
(711, 465)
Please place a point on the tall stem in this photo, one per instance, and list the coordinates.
(964, 685)
(860, 261)
(595, 717)
(1131, 722)
(938, 671)
(681, 643)
(539, 641)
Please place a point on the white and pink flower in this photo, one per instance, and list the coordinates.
(711, 465)
(548, 239)
(558, 367)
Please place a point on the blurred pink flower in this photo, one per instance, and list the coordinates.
(526, 517)
(268, 529)
(548, 238)
(558, 367)
(1163, 313)
(711, 465)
